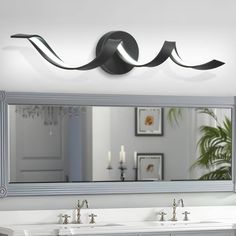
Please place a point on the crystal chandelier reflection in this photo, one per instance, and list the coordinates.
(48, 113)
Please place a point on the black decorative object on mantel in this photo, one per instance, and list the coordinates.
(116, 53)
(122, 168)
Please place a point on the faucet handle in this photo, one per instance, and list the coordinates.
(92, 220)
(186, 213)
(162, 214)
(66, 217)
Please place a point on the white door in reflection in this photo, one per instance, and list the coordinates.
(38, 153)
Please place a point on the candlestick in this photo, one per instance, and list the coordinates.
(122, 168)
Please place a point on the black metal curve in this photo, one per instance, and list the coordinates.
(108, 46)
(109, 49)
(206, 66)
(162, 56)
(166, 52)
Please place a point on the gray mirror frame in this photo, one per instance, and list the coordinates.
(44, 189)
(3, 174)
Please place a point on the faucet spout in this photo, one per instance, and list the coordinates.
(181, 202)
(174, 207)
(79, 206)
(82, 204)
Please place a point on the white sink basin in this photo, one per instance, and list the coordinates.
(76, 226)
(173, 223)
(75, 229)
(176, 223)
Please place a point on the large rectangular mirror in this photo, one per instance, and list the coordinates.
(91, 144)
(50, 143)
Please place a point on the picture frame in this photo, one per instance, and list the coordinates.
(149, 121)
(150, 166)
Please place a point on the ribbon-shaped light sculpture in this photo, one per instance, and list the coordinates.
(117, 53)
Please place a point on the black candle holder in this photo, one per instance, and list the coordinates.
(122, 168)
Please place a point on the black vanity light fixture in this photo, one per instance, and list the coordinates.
(116, 53)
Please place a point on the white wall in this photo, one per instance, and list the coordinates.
(203, 29)
(101, 126)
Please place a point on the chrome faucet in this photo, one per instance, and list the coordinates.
(174, 206)
(79, 206)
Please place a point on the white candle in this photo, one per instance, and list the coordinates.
(122, 153)
(135, 159)
(109, 158)
(123, 157)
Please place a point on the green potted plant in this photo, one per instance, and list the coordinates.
(215, 148)
(215, 145)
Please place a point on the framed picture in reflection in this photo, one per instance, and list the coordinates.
(149, 121)
(150, 166)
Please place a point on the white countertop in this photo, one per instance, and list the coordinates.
(126, 220)
(108, 228)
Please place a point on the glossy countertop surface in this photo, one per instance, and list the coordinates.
(117, 221)
(108, 228)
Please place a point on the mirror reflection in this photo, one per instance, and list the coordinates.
(51, 143)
